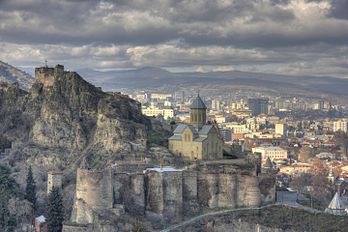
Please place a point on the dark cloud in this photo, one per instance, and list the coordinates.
(247, 23)
(339, 9)
(177, 33)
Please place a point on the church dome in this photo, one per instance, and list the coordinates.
(198, 103)
(268, 163)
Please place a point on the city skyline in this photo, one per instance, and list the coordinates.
(295, 37)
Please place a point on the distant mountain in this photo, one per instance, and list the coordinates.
(151, 77)
(155, 77)
(11, 74)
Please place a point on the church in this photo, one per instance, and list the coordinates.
(197, 140)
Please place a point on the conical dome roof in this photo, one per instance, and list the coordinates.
(336, 206)
(268, 163)
(198, 103)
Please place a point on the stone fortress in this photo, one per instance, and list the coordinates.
(166, 193)
(46, 74)
(169, 194)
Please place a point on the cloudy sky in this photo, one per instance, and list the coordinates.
(297, 37)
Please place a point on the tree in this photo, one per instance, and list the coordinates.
(55, 211)
(301, 182)
(8, 188)
(7, 221)
(30, 191)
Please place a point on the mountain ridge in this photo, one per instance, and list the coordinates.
(11, 74)
(156, 78)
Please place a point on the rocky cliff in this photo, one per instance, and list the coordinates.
(64, 122)
(65, 116)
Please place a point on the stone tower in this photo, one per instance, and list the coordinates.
(46, 75)
(54, 179)
(198, 113)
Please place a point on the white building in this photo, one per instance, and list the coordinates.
(274, 153)
(160, 96)
(152, 111)
(237, 128)
(215, 105)
(340, 125)
(280, 129)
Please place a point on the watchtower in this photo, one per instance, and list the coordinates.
(54, 179)
(46, 75)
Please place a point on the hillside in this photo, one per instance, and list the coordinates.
(65, 122)
(10, 74)
(155, 77)
(64, 119)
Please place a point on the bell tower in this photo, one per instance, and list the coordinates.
(198, 113)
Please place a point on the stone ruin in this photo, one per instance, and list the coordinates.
(164, 194)
(46, 75)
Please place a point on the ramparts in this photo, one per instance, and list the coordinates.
(166, 193)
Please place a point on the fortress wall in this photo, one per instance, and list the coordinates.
(189, 193)
(227, 190)
(120, 185)
(45, 76)
(252, 195)
(54, 180)
(131, 167)
(208, 188)
(82, 213)
(95, 188)
(164, 195)
(172, 196)
(59, 69)
(136, 204)
(267, 187)
(189, 186)
(129, 190)
(154, 192)
(241, 190)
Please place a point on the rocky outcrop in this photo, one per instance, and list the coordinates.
(65, 115)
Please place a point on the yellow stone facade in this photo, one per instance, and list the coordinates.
(197, 140)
